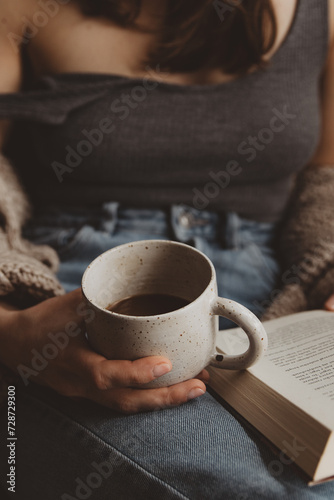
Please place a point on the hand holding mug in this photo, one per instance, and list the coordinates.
(142, 277)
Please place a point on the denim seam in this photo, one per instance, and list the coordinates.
(136, 465)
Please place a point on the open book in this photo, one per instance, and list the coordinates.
(289, 394)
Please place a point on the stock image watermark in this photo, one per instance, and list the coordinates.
(223, 9)
(58, 342)
(74, 156)
(11, 438)
(100, 472)
(121, 109)
(85, 486)
(48, 9)
(290, 452)
(294, 276)
(250, 148)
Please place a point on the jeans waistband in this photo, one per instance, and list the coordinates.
(185, 222)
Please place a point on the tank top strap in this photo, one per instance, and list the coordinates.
(306, 45)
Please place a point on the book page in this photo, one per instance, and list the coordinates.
(306, 351)
(299, 362)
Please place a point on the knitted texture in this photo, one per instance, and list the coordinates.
(26, 270)
(307, 244)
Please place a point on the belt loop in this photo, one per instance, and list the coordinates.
(110, 212)
(232, 226)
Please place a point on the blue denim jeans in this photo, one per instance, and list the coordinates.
(242, 251)
(71, 449)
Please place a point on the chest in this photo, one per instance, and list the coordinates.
(72, 42)
(138, 131)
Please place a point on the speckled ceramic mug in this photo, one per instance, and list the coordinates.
(186, 336)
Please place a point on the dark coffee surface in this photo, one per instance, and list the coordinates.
(147, 304)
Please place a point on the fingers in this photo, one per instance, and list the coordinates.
(129, 401)
(329, 304)
(104, 374)
(133, 373)
(116, 384)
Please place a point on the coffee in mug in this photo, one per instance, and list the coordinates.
(148, 304)
(159, 298)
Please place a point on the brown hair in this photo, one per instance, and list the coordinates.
(233, 35)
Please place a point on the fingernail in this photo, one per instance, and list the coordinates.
(161, 369)
(194, 393)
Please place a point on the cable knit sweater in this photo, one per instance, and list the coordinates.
(307, 244)
(26, 270)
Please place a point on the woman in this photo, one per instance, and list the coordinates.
(174, 119)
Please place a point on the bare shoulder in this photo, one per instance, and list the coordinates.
(13, 25)
(20, 23)
(11, 12)
(14, 16)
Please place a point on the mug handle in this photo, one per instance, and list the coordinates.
(252, 326)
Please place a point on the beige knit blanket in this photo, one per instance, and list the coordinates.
(26, 270)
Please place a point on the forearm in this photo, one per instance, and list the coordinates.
(307, 243)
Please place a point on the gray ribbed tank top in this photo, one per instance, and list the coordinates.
(90, 138)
